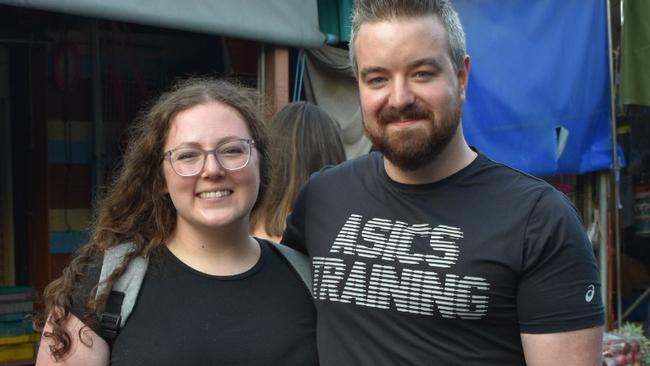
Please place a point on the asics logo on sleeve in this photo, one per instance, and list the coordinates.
(591, 289)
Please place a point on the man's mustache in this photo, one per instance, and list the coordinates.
(411, 111)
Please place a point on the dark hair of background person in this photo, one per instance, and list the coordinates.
(303, 139)
(135, 208)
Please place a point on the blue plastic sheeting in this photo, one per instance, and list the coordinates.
(536, 66)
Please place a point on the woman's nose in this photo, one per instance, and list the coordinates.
(212, 168)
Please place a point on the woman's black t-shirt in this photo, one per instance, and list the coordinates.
(264, 316)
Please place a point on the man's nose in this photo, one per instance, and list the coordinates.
(401, 94)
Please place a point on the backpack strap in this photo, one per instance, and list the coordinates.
(298, 261)
(124, 292)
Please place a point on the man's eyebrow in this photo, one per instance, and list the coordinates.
(429, 61)
(369, 70)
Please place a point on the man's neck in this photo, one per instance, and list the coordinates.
(454, 157)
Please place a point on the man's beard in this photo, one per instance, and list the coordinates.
(412, 148)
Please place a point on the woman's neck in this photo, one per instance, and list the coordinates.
(223, 251)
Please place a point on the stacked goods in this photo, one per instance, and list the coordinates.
(621, 351)
(16, 334)
(626, 346)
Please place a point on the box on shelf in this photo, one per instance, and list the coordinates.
(17, 337)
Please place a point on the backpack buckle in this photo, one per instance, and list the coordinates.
(109, 325)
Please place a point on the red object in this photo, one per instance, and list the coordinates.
(67, 65)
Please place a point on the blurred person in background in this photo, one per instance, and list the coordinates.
(303, 139)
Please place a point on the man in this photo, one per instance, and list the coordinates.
(428, 252)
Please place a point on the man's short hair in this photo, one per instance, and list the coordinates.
(368, 11)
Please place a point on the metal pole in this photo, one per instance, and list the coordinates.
(636, 303)
(615, 168)
(603, 247)
(97, 105)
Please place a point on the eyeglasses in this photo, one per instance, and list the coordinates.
(231, 155)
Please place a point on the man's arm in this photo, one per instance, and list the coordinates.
(97, 354)
(559, 306)
(574, 348)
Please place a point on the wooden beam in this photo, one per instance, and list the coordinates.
(7, 259)
(39, 258)
(276, 79)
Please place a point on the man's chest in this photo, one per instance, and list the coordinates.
(416, 263)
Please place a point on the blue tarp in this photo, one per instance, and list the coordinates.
(536, 66)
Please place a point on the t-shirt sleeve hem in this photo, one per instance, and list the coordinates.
(594, 321)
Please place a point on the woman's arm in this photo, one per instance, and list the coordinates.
(96, 354)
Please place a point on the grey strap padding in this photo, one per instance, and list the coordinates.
(130, 281)
(299, 261)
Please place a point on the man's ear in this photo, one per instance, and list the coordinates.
(463, 76)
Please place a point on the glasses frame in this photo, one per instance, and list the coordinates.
(167, 155)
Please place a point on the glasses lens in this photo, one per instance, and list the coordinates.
(187, 161)
(234, 155)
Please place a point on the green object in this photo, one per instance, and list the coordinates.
(13, 328)
(635, 53)
(14, 289)
(334, 18)
(15, 317)
(286, 22)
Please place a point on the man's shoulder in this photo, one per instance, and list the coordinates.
(501, 172)
(506, 182)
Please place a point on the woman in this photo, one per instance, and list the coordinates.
(195, 167)
(304, 138)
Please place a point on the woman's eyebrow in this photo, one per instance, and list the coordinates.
(219, 142)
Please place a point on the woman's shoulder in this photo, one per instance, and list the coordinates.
(298, 262)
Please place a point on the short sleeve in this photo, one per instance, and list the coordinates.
(559, 288)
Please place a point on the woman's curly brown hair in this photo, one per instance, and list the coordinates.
(135, 208)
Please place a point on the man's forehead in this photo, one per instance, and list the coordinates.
(399, 18)
(430, 24)
(426, 31)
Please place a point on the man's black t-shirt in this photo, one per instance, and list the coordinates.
(446, 273)
(264, 316)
